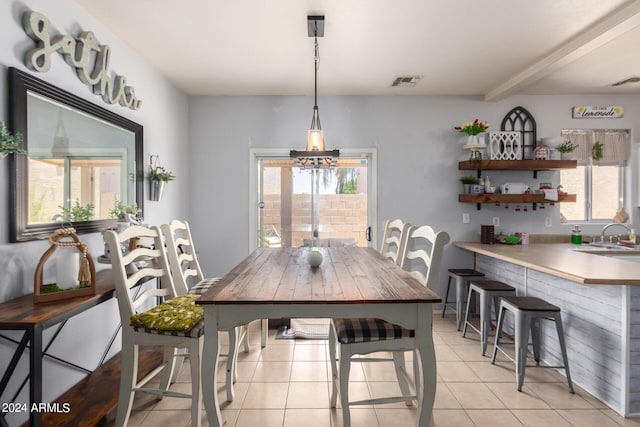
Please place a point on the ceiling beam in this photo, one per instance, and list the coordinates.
(603, 31)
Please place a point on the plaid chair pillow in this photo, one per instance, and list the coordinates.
(203, 286)
(351, 331)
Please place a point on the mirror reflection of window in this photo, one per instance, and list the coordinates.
(81, 184)
(75, 171)
(46, 184)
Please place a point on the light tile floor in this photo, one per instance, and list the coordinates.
(286, 384)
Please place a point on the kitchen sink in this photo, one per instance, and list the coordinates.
(613, 246)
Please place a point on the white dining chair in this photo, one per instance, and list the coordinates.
(421, 258)
(129, 273)
(394, 239)
(189, 279)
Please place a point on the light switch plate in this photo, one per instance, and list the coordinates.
(465, 218)
(496, 221)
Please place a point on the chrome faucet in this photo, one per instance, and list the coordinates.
(611, 225)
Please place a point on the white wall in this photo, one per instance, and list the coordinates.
(164, 116)
(418, 152)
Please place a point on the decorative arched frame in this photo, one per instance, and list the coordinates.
(520, 120)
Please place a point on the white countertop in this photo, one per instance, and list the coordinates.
(582, 264)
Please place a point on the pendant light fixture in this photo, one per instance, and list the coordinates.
(315, 156)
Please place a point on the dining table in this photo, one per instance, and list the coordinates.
(279, 283)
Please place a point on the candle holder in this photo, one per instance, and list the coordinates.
(69, 267)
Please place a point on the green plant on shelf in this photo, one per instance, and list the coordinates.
(566, 147)
(468, 179)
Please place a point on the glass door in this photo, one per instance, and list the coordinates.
(283, 215)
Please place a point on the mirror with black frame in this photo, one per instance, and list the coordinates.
(82, 161)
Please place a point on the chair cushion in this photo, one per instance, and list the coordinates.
(179, 314)
(350, 331)
(203, 286)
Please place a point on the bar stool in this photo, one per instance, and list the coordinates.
(527, 312)
(488, 291)
(462, 277)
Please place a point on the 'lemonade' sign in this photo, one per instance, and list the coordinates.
(588, 112)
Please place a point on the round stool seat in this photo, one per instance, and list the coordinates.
(527, 303)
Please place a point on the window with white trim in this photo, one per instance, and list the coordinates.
(598, 183)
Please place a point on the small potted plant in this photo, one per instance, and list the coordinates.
(9, 143)
(467, 181)
(76, 212)
(120, 211)
(565, 149)
(158, 177)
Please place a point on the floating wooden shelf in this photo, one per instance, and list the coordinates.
(514, 165)
(523, 165)
(480, 199)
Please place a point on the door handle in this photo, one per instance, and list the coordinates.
(368, 234)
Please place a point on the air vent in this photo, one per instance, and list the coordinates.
(406, 81)
(625, 81)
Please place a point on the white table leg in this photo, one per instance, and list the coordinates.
(210, 356)
(427, 357)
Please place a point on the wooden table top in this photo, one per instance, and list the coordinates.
(22, 311)
(348, 275)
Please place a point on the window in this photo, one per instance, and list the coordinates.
(598, 184)
(281, 195)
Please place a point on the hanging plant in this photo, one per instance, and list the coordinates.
(159, 173)
(596, 151)
(158, 177)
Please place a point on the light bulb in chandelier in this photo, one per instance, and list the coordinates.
(315, 137)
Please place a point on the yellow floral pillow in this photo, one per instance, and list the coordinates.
(177, 314)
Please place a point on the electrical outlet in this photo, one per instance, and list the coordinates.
(465, 218)
(548, 222)
(496, 221)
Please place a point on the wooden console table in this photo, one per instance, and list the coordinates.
(24, 315)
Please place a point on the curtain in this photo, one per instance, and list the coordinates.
(615, 142)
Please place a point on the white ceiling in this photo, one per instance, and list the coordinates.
(493, 48)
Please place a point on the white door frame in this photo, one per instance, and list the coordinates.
(279, 153)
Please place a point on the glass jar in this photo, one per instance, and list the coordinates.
(576, 235)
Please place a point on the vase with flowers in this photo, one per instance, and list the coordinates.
(472, 130)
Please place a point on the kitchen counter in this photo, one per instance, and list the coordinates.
(582, 264)
(600, 310)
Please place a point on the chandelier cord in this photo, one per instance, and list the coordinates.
(316, 59)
